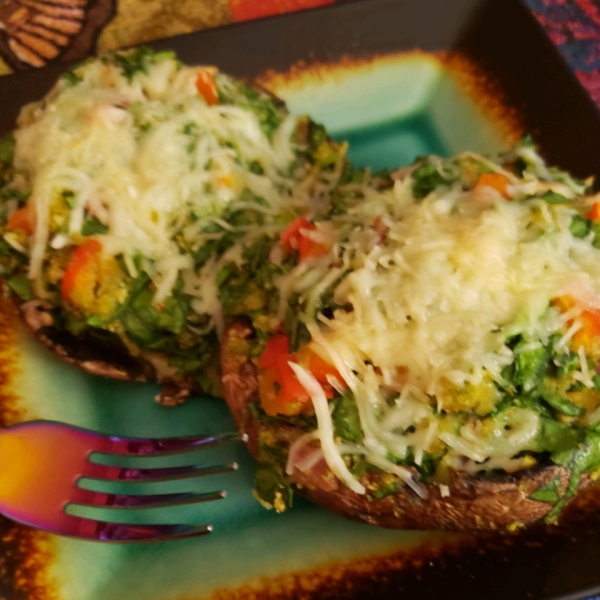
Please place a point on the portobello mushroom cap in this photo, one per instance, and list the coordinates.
(104, 357)
(481, 502)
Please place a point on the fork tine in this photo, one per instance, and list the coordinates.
(101, 472)
(159, 446)
(105, 531)
(89, 498)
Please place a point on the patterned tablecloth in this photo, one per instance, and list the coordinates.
(36, 32)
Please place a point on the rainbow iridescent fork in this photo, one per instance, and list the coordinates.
(44, 462)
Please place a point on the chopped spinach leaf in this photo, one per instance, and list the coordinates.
(273, 487)
(93, 226)
(386, 487)
(71, 78)
(595, 228)
(531, 366)
(548, 493)
(583, 459)
(137, 61)
(21, 286)
(553, 198)
(346, 420)
(7, 149)
(555, 436)
(426, 178)
(566, 363)
(550, 392)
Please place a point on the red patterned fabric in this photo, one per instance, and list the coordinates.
(244, 10)
(574, 27)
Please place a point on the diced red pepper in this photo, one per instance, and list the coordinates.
(291, 234)
(291, 388)
(206, 86)
(295, 238)
(276, 346)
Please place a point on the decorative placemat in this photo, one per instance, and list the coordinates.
(574, 27)
(34, 33)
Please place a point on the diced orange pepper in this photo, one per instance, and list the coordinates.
(205, 84)
(588, 335)
(276, 402)
(594, 213)
(82, 268)
(320, 368)
(563, 303)
(494, 180)
(23, 219)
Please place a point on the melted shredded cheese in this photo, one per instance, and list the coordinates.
(325, 429)
(151, 160)
(429, 307)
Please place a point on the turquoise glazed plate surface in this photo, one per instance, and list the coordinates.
(354, 68)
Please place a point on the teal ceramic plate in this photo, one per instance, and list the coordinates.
(397, 80)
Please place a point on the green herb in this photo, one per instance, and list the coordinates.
(149, 326)
(256, 168)
(71, 78)
(93, 226)
(138, 60)
(566, 362)
(21, 286)
(555, 436)
(580, 226)
(317, 134)
(550, 392)
(273, 487)
(531, 366)
(596, 231)
(5, 248)
(384, 490)
(585, 458)
(553, 198)
(548, 493)
(427, 178)
(346, 419)
(565, 406)
(95, 321)
(268, 112)
(357, 464)
(190, 128)
(304, 422)
(185, 363)
(7, 149)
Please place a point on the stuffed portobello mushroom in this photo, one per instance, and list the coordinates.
(431, 357)
(123, 188)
